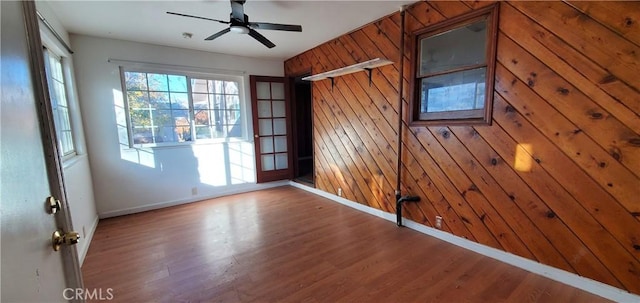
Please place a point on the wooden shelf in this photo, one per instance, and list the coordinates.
(363, 66)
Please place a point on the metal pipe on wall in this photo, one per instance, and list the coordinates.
(401, 103)
(399, 198)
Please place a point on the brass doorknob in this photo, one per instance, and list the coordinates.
(58, 238)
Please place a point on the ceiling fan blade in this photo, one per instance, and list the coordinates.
(275, 26)
(197, 17)
(237, 10)
(218, 34)
(261, 38)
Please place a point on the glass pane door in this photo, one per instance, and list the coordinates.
(271, 128)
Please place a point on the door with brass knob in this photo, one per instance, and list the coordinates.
(32, 189)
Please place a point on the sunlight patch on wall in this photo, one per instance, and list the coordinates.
(144, 157)
(523, 160)
(242, 163)
(225, 163)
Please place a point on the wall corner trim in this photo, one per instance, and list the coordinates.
(565, 277)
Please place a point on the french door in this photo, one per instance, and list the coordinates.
(271, 128)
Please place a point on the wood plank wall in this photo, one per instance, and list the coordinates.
(555, 178)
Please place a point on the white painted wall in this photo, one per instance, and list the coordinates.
(76, 171)
(128, 180)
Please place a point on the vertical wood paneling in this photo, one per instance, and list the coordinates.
(567, 104)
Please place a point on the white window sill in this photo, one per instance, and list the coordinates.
(72, 160)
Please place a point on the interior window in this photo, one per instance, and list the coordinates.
(454, 63)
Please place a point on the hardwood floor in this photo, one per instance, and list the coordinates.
(285, 244)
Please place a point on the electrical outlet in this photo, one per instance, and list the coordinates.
(339, 192)
(438, 222)
(194, 191)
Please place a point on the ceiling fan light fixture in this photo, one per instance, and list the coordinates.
(239, 29)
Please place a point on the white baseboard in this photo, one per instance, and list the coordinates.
(87, 239)
(565, 277)
(232, 190)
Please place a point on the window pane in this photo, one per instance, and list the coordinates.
(232, 117)
(279, 126)
(263, 90)
(61, 93)
(277, 91)
(217, 87)
(165, 134)
(158, 82)
(67, 142)
(266, 144)
(179, 100)
(65, 124)
(138, 99)
(459, 47)
(265, 128)
(279, 109)
(143, 135)
(200, 101)
(280, 143)
(199, 86)
(233, 102)
(264, 109)
(178, 83)
(159, 100)
(452, 92)
(203, 132)
(162, 118)
(281, 161)
(135, 81)
(140, 117)
(202, 117)
(231, 87)
(267, 162)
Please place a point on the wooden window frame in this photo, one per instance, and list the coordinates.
(464, 117)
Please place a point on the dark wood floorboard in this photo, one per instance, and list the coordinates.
(287, 245)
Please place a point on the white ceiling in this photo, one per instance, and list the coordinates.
(147, 22)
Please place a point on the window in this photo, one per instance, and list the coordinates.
(454, 70)
(58, 95)
(172, 108)
(217, 108)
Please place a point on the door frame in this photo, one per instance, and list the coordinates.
(44, 108)
(294, 101)
(262, 177)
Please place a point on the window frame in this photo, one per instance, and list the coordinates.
(189, 75)
(460, 117)
(61, 59)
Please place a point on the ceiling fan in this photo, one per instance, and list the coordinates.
(239, 23)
